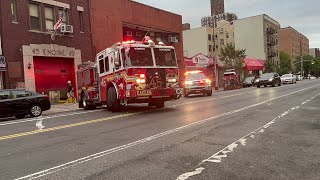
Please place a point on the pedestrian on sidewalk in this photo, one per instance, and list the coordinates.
(70, 93)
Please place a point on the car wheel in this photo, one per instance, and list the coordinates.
(84, 102)
(265, 85)
(113, 103)
(20, 116)
(160, 104)
(258, 86)
(35, 111)
(279, 84)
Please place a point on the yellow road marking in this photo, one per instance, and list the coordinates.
(64, 126)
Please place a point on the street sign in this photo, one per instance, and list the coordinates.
(3, 64)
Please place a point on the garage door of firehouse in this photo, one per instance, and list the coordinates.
(52, 76)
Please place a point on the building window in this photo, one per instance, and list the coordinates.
(209, 37)
(49, 15)
(14, 11)
(227, 35)
(210, 48)
(35, 20)
(221, 41)
(217, 46)
(65, 13)
(81, 21)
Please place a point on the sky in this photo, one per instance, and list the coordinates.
(303, 15)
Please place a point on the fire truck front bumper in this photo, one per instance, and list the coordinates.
(168, 93)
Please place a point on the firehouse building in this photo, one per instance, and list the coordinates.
(123, 20)
(36, 60)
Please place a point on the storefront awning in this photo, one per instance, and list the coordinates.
(3, 64)
(253, 64)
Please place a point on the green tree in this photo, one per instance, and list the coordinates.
(285, 64)
(233, 58)
(269, 67)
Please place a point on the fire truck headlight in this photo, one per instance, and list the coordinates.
(141, 81)
(208, 81)
(172, 80)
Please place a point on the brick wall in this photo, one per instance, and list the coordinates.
(108, 17)
(14, 35)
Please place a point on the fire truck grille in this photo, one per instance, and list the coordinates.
(156, 78)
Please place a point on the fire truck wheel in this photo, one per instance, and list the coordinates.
(160, 104)
(209, 93)
(113, 103)
(84, 102)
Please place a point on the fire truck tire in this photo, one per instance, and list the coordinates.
(160, 104)
(113, 103)
(83, 102)
(209, 93)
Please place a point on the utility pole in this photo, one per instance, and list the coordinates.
(301, 71)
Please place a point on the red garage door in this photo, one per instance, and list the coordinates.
(52, 74)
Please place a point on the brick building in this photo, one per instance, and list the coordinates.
(293, 42)
(35, 61)
(114, 21)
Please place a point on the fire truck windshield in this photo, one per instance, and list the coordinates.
(165, 57)
(140, 56)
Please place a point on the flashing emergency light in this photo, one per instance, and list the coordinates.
(192, 72)
(150, 41)
(142, 76)
(161, 43)
(118, 43)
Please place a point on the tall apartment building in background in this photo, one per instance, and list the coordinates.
(223, 35)
(293, 42)
(217, 7)
(259, 36)
(315, 52)
(198, 40)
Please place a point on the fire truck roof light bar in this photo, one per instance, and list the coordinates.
(192, 72)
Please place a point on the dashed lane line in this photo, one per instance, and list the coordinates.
(65, 126)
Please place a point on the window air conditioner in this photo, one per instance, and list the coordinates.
(173, 39)
(66, 29)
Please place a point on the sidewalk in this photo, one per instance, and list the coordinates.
(62, 107)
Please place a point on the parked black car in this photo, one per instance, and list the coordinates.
(271, 79)
(20, 103)
(248, 82)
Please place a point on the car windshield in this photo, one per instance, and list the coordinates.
(267, 75)
(165, 57)
(140, 56)
(197, 76)
(286, 76)
(249, 79)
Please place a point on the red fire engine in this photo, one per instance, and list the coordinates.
(130, 72)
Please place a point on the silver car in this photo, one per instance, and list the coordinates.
(288, 79)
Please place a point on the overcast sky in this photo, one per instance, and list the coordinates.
(303, 15)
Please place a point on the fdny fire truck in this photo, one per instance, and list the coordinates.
(130, 72)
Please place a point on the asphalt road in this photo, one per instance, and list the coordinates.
(267, 133)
